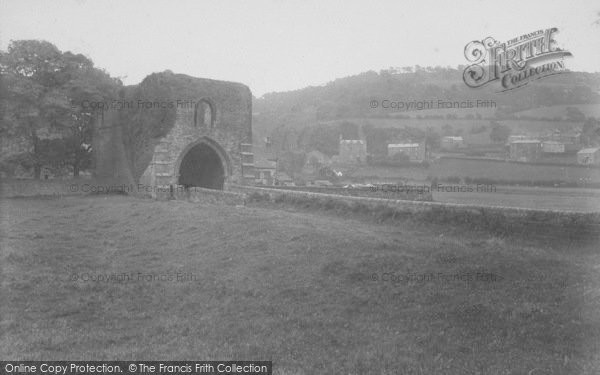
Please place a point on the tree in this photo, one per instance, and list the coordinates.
(293, 162)
(499, 133)
(314, 162)
(42, 90)
(400, 158)
(33, 105)
(349, 130)
(575, 114)
(324, 138)
(476, 129)
(447, 130)
(88, 85)
(590, 133)
(433, 140)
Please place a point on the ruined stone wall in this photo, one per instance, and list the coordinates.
(159, 123)
(111, 164)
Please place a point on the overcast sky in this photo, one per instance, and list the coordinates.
(285, 45)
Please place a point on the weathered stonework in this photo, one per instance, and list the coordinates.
(230, 130)
(210, 117)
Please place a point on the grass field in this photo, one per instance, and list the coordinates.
(543, 198)
(311, 291)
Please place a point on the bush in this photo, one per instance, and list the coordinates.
(256, 196)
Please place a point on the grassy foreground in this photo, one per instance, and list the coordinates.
(108, 278)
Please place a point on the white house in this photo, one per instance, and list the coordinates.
(589, 156)
(450, 142)
(553, 147)
(265, 171)
(415, 151)
(353, 151)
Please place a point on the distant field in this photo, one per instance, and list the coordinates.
(510, 171)
(516, 126)
(370, 173)
(466, 125)
(592, 110)
(535, 127)
(564, 199)
(310, 291)
(462, 112)
(571, 199)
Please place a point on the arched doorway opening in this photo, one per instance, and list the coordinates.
(202, 166)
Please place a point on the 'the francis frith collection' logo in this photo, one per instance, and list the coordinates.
(516, 62)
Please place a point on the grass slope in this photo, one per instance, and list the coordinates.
(590, 110)
(300, 288)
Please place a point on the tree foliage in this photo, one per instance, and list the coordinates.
(499, 133)
(590, 132)
(293, 162)
(42, 97)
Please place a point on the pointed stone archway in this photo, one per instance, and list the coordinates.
(203, 163)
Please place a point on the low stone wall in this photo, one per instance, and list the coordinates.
(29, 188)
(198, 194)
(42, 188)
(497, 219)
(77, 186)
(385, 191)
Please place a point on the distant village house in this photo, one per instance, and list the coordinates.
(415, 151)
(514, 138)
(525, 150)
(352, 151)
(589, 156)
(553, 147)
(265, 171)
(451, 143)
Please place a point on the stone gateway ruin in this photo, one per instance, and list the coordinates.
(174, 129)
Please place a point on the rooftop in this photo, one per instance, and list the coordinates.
(403, 145)
(261, 163)
(526, 141)
(589, 150)
(354, 141)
